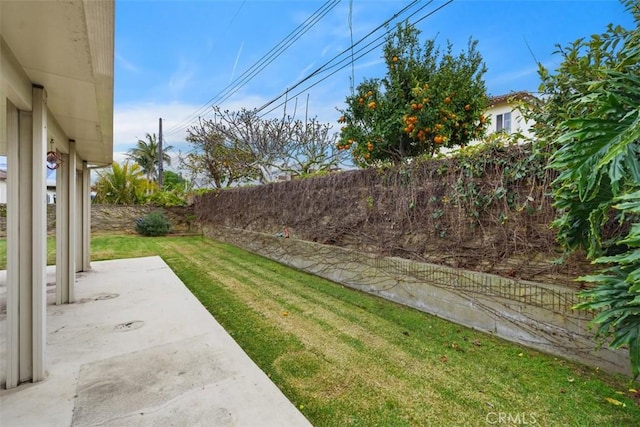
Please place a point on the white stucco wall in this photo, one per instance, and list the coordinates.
(51, 193)
(3, 191)
(518, 123)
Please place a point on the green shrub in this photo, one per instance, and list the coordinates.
(167, 198)
(153, 224)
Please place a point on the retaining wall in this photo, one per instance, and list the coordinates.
(118, 218)
(533, 314)
(123, 218)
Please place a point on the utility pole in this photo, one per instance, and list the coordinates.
(160, 162)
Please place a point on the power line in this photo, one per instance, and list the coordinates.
(355, 56)
(257, 67)
(353, 74)
(274, 55)
(201, 109)
(343, 60)
(328, 66)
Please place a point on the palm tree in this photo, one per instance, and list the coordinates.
(121, 185)
(145, 153)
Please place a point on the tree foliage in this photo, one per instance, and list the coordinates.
(145, 153)
(172, 180)
(311, 148)
(427, 100)
(597, 93)
(561, 91)
(122, 185)
(238, 146)
(216, 160)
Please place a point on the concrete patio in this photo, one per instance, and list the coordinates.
(137, 348)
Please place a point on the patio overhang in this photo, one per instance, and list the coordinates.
(67, 48)
(56, 94)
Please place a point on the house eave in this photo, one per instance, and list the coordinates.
(67, 48)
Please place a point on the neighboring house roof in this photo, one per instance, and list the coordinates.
(3, 175)
(508, 97)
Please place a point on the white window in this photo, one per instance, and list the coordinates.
(503, 122)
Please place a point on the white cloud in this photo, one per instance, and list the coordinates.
(126, 64)
(524, 78)
(119, 156)
(133, 121)
(303, 72)
(235, 63)
(181, 78)
(514, 75)
(327, 49)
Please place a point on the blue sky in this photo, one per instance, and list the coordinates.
(173, 58)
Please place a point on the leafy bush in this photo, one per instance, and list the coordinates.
(599, 181)
(122, 184)
(153, 224)
(167, 198)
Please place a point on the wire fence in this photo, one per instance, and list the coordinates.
(537, 315)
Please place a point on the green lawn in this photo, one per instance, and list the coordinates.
(348, 358)
(51, 252)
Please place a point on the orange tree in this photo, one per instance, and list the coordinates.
(427, 100)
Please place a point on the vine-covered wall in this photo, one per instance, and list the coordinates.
(487, 210)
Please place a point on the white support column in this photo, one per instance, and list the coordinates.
(72, 217)
(62, 232)
(39, 227)
(86, 217)
(3, 120)
(25, 244)
(26, 241)
(78, 232)
(13, 246)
